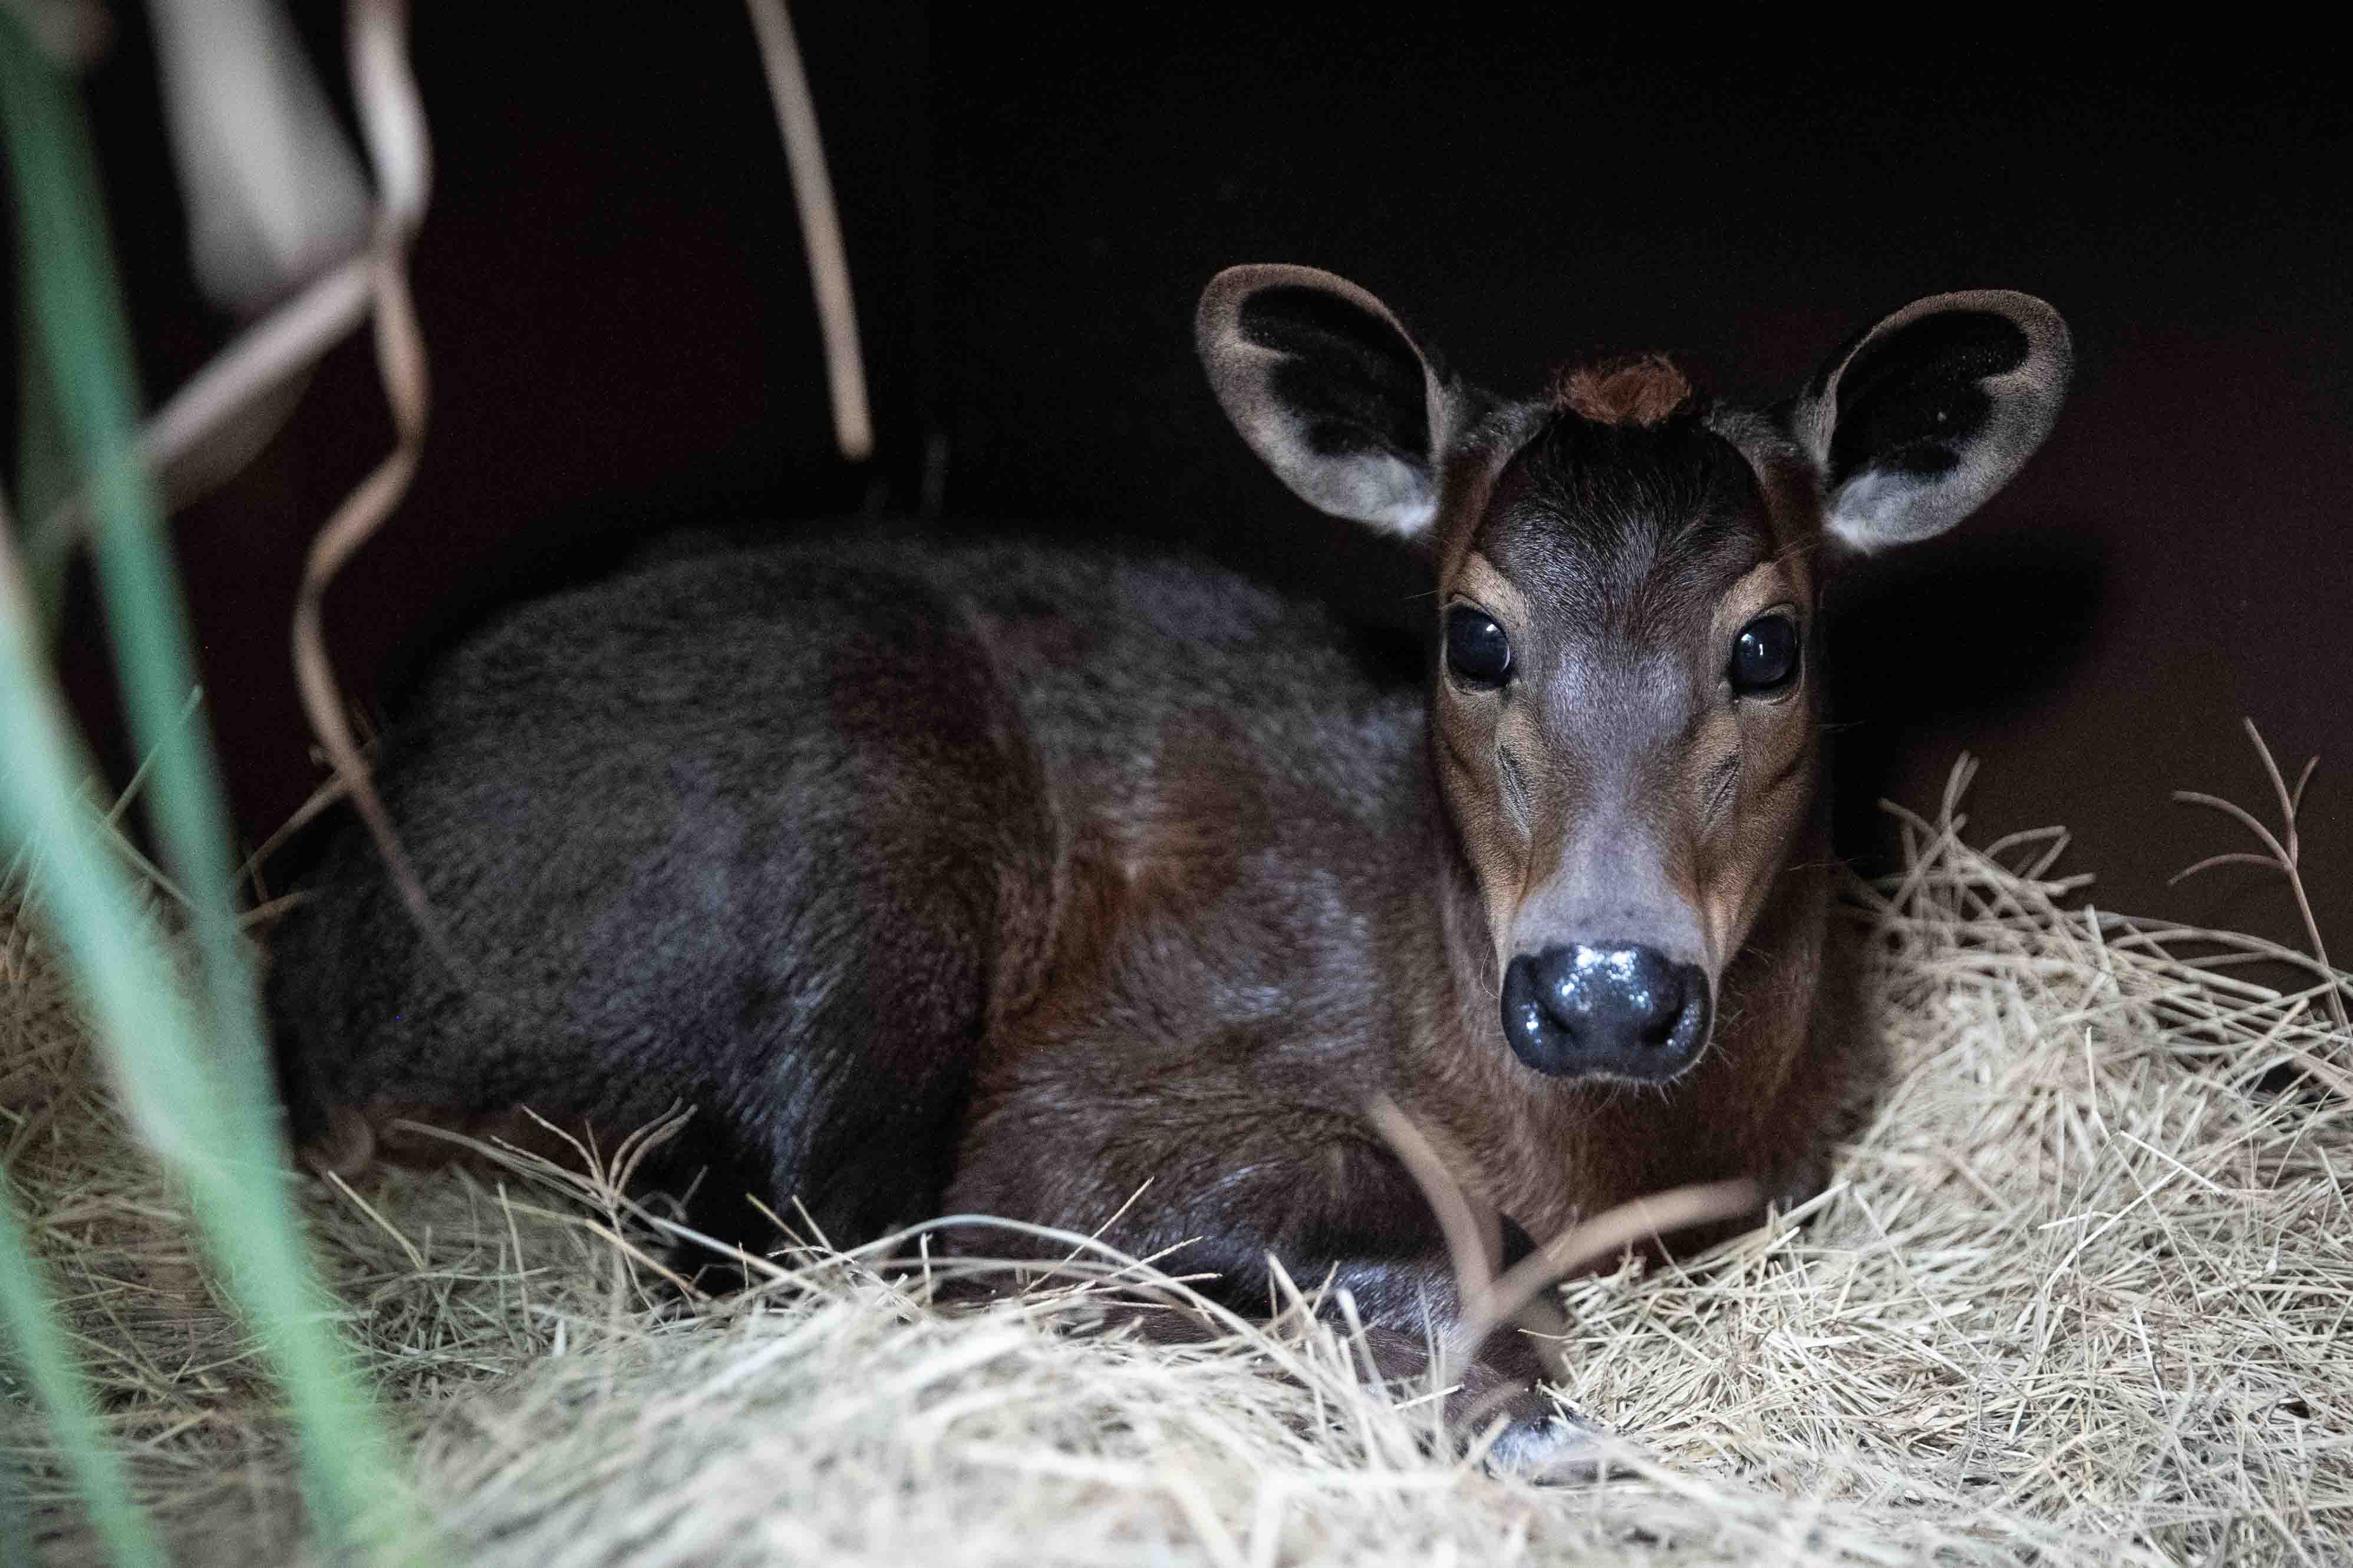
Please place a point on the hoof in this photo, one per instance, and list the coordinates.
(345, 1148)
(1551, 1447)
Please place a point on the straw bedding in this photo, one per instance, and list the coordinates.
(2076, 1297)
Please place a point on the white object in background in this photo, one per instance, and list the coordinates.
(274, 190)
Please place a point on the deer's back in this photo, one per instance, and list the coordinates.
(707, 831)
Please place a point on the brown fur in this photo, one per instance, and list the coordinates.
(1641, 390)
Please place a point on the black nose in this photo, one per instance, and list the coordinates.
(1622, 1011)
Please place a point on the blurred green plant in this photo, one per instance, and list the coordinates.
(192, 1069)
(49, 1364)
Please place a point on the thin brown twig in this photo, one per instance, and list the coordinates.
(327, 795)
(274, 353)
(828, 261)
(1649, 1218)
(1472, 1231)
(1488, 1301)
(393, 124)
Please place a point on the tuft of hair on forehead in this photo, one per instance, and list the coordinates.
(1642, 390)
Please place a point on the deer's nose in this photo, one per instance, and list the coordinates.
(1619, 1011)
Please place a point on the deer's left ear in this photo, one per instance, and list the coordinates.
(1920, 420)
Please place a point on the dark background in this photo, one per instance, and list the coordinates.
(612, 288)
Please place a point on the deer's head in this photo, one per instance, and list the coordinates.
(1625, 719)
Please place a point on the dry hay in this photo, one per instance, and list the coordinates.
(2074, 1298)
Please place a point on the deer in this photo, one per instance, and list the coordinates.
(1108, 891)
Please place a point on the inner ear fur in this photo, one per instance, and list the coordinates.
(1922, 418)
(1330, 390)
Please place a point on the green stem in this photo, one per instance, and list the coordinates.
(198, 1086)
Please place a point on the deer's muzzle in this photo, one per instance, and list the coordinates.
(1616, 1010)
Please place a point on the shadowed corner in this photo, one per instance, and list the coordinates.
(1979, 624)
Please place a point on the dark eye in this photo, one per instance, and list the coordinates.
(1763, 656)
(1477, 651)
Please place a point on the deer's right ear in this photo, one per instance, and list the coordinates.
(1329, 390)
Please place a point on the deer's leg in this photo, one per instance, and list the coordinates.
(1337, 1209)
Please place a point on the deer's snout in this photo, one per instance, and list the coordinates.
(1615, 1010)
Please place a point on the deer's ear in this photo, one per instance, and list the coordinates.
(1329, 390)
(1916, 423)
